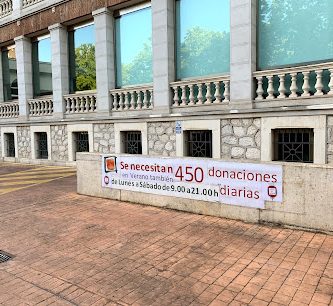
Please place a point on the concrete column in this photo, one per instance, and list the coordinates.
(163, 12)
(243, 52)
(24, 73)
(105, 67)
(1, 81)
(60, 74)
(17, 7)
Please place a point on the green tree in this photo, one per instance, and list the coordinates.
(139, 70)
(292, 32)
(85, 67)
(204, 52)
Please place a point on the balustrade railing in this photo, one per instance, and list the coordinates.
(295, 83)
(132, 98)
(6, 7)
(9, 109)
(40, 107)
(80, 103)
(26, 3)
(212, 91)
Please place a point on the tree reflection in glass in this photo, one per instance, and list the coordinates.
(293, 32)
(202, 38)
(134, 48)
(82, 58)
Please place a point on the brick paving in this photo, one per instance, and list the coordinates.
(75, 250)
(26, 177)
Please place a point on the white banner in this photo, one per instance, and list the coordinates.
(231, 183)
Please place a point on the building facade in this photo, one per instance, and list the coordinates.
(243, 80)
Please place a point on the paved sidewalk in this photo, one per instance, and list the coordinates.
(76, 250)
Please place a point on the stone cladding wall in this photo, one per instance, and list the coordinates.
(24, 141)
(162, 138)
(59, 141)
(104, 141)
(240, 139)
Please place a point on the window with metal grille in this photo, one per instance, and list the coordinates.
(132, 142)
(293, 145)
(41, 145)
(198, 143)
(81, 141)
(10, 144)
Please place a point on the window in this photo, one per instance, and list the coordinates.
(81, 140)
(132, 142)
(134, 47)
(202, 38)
(42, 67)
(293, 32)
(9, 73)
(293, 145)
(42, 148)
(82, 66)
(198, 143)
(9, 144)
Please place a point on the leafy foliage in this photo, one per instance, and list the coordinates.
(292, 32)
(204, 52)
(140, 70)
(85, 67)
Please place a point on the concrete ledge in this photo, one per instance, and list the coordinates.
(307, 199)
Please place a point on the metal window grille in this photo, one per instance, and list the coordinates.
(42, 150)
(4, 256)
(199, 143)
(10, 144)
(82, 141)
(294, 145)
(132, 142)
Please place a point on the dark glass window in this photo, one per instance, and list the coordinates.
(132, 141)
(82, 65)
(42, 66)
(41, 141)
(9, 144)
(293, 145)
(81, 141)
(9, 73)
(198, 143)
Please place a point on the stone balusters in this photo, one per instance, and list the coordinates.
(214, 91)
(80, 103)
(9, 110)
(6, 7)
(295, 83)
(26, 3)
(132, 98)
(40, 107)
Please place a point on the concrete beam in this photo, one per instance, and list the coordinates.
(60, 73)
(24, 73)
(242, 52)
(163, 53)
(105, 67)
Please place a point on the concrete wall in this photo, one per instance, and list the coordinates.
(307, 196)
